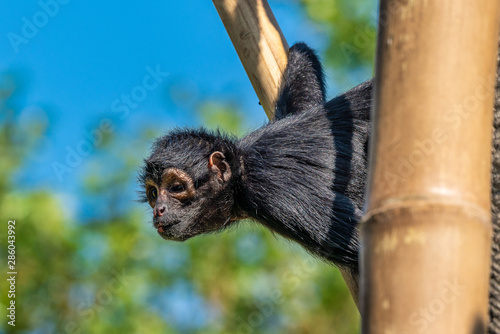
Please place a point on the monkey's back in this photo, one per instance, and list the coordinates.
(313, 165)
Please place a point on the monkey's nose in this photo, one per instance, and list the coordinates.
(160, 211)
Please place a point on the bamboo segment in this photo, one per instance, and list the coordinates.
(426, 233)
(260, 44)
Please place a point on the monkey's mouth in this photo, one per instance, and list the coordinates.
(163, 227)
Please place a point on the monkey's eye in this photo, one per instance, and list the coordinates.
(153, 193)
(177, 188)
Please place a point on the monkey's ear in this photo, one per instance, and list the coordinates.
(217, 163)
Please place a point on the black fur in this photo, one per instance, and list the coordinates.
(303, 86)
(188, 150)
(302, 175)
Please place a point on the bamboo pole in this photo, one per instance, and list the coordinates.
(263, 51)
(260, 44)
(426, 234)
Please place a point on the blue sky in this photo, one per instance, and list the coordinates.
(79, 57)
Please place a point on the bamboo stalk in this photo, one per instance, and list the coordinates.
(260, 44)
(426, 233)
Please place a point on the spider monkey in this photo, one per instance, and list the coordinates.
(302, 175)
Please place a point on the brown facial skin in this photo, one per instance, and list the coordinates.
(180, 211)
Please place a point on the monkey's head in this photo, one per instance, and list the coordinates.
(188, 183)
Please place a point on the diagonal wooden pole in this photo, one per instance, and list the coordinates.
(263, 50)
(260, 44)
(426, 234)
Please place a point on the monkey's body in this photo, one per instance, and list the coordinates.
(305, 175)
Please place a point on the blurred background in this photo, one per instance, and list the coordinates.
(76, 120)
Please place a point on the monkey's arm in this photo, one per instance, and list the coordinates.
(303, 85)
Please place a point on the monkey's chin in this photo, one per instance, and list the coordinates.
(169, 233)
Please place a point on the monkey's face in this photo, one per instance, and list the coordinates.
(188, 202)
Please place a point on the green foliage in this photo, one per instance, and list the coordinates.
(218, 115)
(351, 26)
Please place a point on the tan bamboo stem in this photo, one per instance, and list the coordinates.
(426, 234)
(260, 44)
